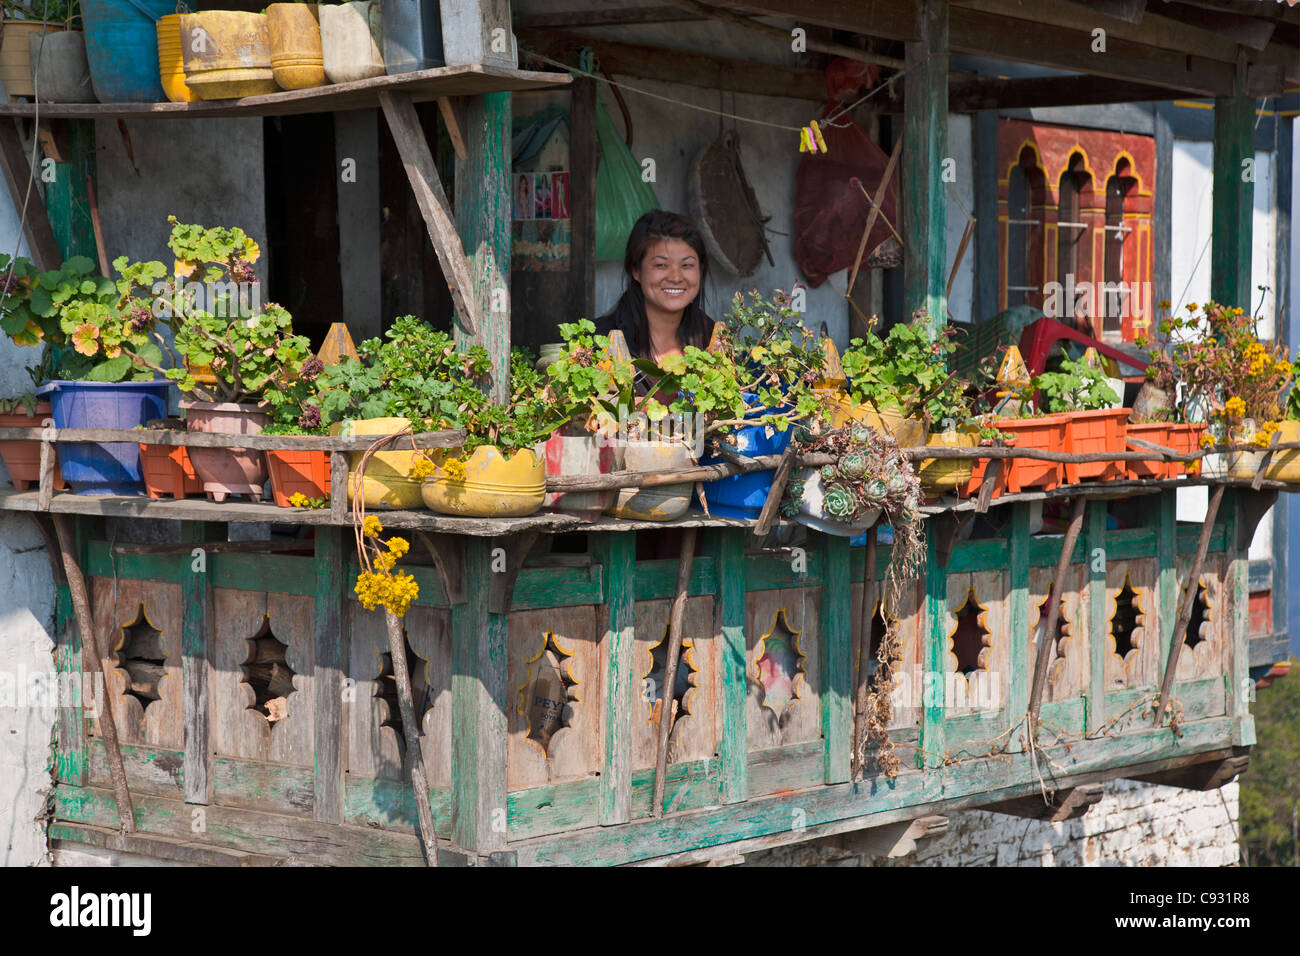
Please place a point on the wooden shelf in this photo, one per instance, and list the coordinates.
(420, 86)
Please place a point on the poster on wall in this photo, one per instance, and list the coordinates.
(539, 192)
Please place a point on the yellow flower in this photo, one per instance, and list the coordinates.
(422, 468)
(398, 546)
(1282, 367)
(1162, 304)
(455, 469)
(371, 527)
(298, 499)
(1192, 306)
(1235, 406)
(384, 561)
(1207, 441)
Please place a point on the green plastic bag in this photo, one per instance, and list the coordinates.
(622, 197)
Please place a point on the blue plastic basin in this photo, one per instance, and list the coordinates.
(104, 468)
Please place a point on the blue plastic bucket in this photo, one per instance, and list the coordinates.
(122, 46)
(743, 496)
(104, 468)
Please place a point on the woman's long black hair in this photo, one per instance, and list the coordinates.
(628, 314)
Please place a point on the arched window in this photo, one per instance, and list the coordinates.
(1115, 298)
(1071, 233)
(1025, 194)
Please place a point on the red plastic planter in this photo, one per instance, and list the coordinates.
(298, 471)
(1102, 430)
(1042, 434)
(168, 471)
(1185, 439)
(1157, 433)
(978, 469)
(23, 458)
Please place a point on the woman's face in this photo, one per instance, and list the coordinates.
(669, 275)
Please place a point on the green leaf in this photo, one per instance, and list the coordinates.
(111, 370)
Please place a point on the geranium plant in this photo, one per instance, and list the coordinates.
(1075, 387)
(905, 371)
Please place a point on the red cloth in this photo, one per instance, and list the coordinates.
(830, 211)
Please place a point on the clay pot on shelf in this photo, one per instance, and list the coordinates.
(60, 70)
(16, 56)
(1286, 464)
(234, 59)
(168, 471)
(575, 451)
(657, 502)
(22, 458)
(228, 471)
(298, 471)
(1185, 439)
(387, 483)
(352, 40)
(1046, 433)
(1157, 433)
(943, 475)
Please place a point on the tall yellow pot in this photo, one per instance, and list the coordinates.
(387, 482)
(296, 59)
(493, 485)
(907, 432)
(1286, 464)
(939, 475)
(171, 61)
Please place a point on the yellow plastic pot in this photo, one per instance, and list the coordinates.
(387, 482)
(296, 59)
(1244, 464)
(171, 61)
(1286, 464)
(939, 475)
(493, 486)
(231, 57)
(907, 432)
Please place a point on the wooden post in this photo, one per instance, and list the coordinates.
(411, 738)
(196, 645)
(837, 660)
(330, 633)
(1167, 562)
(616, 552)
(1018, 613)
(483, 220)
(934, 657)
(70, 754)
(925, 146)
(15, 161)
(66, 196)
(1234, 193)
(685, 561)
(1240, 685)
(478, 719)
(863, 686)
(733, 751)
(1098, 636)
(1046, 641)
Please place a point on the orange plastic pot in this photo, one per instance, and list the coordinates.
(1041, 434)
(168, 471)
(1157, 433)
(1100, 430)
(22, 458)
(1185, 439)
(298, 471)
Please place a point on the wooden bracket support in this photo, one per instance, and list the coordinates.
(1208, 775)
(1055, 807)
(894, 840)
(666, 699)
(501, 586)
(453, 117)
(1046, 642)
(404, 123)
(448, 553)
(1253, 506)
(948, 529)
(46, 529)
(992, 472)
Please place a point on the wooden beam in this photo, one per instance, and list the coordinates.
(1056, 807)
(197, 641)
(42, 247)
(409, 136)
(330, 634)
(669, 65)
(925, 146)
(602, 18)
(733, 749)
(837, 660)
(1210, 775)
(483, 221)
(1047, 633)
(998, 93)
(617, 555)
(667, 699)
(1233, 198)
(894, 21)
(1250, 31)
(1096, 615)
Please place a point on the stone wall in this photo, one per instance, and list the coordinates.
(1134, 824)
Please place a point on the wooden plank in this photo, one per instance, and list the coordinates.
(994, 92)
(1018, 613)
(70, 760)
(733, 749)
(837, 661)
(408, 134)
(1233, 199)
(934, 657)
(617, 555)
(197, 639)
(1099, 641)
(421, 86)
(1168, 563)
(20, 178)
(64, 836)
(1047, 638)
(483, 223)
(925, 146)
(1240, 686)
(667, 714)
(329, 617)
(655, 579)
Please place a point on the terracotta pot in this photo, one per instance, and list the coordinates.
(1157, 433)
(1286, 464)
(387, 483)
(658, 502)
(940, 475)
(573, 450)
(298, 471)
(168, 471)
(1185, 439)
(23, 458)
(1043, 434)
(1102, 430)
(228, 471)
(493, 485)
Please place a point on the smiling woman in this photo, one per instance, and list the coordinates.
(662, 310)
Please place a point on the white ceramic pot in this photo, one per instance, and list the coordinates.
(812, 510)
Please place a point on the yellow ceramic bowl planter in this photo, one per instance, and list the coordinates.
(940, 475)
(387, 482)
(1286, 464)
(907, 432)
(229, 55)
(488, 485)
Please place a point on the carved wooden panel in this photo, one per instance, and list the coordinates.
(977, 666)
(1131, 628)
(784, 674)
(240, 728)
(906, 692)
(695, 731)
(554, 696)
(140, 621)
(374, 745)
(1067, 675)
(1208, 635)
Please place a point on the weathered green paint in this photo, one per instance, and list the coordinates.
(482, 210)
(1233, 200)
(195, 607)
(70, 760)
(67, 201)
(836, 659)
(1098, 633)
(331, 628)
(1020, 679)
(617, 554)
(1188, 533)
(478, 716)
(934, 649)
(733, 749)
(1069, 716)
(1045, 551)
(987, 555)
(770, 571)
(391, 804)
(1132, 543)
(925, 153)
(1240, 685)
(1168, 585)
(657, 580)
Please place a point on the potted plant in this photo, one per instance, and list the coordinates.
(1082, 396)
(295, 411)
(22, 22)
(89, 384)
(167, 469)
(1286, 464)
(221, 324)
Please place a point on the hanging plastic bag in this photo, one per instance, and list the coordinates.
(622, 196)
